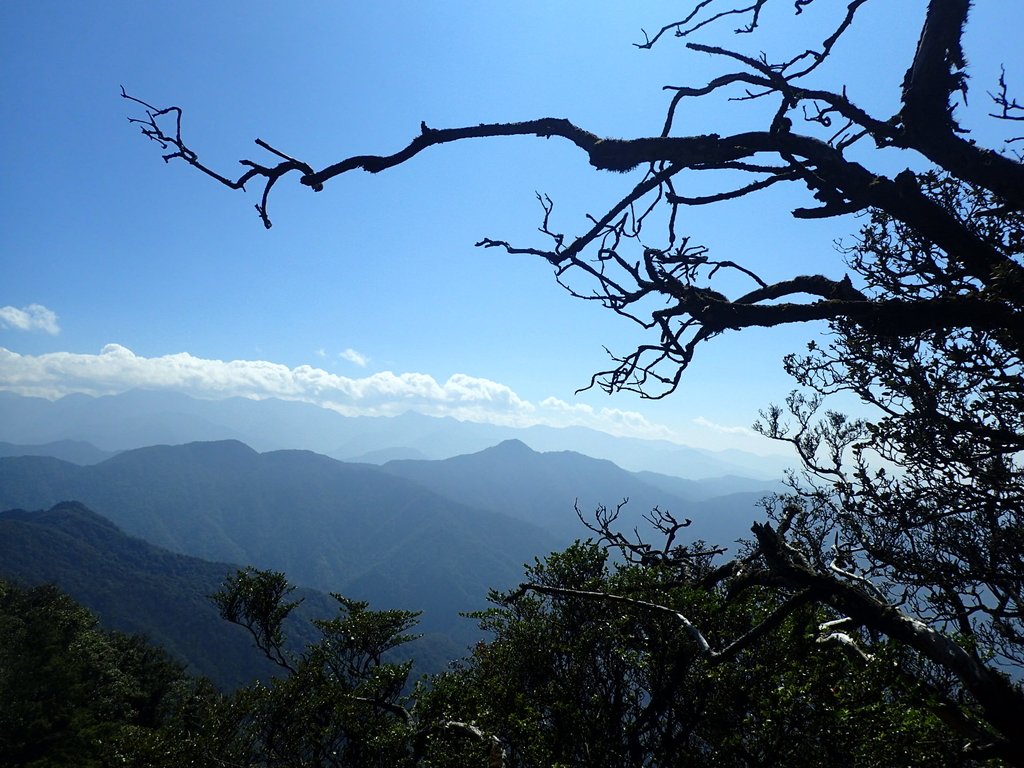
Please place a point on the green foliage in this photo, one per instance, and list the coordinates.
(341, 702)
(255, 600)
(567, 679)
(135, 587)
(579, 681)
(73, 694)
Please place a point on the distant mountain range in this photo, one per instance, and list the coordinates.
(432, 515)
(141, 418)
(545, 489)
(431, 535)
(328, 525)
(75, 451)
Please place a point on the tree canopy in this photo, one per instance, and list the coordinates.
(906, 528)
(76, 695)
(570, 680)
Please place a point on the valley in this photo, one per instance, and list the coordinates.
(157, 525)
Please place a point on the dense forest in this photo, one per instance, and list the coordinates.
(559, 682)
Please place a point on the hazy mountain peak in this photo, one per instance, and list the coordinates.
(64, 510)
(511, 447)
(73, 517)
(78, 509)
(144, 418)
(74, 451)
(220, 446)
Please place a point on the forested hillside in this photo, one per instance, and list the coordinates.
(137, 588)
(331, 526)
(372, 533)
(76, 695)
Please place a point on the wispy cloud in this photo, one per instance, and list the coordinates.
(728, 430)
(614, 420)
(117, 369)
(34, 317)
(320, 352)
(354, 357)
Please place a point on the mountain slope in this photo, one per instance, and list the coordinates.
(328, 525)
(138, 588)
(543, 489)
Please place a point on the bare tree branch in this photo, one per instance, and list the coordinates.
(712, 655)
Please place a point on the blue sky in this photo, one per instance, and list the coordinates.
(118, 271)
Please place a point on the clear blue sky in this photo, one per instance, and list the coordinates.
(370, 295)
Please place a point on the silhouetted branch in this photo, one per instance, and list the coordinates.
(840, 185)
(1002, 703)
(1009, 108)
(938, 71)
(933, 335)
(713, 656)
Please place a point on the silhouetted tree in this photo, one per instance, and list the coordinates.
(568, 679)
(908, 527)
(342, 701)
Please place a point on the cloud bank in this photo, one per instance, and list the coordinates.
(117, 369)
(34, 317)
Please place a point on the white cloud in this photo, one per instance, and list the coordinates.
(613, 420)
(34, 317)
(117, 369)
(701, 421)
(320, 352)
(354, 357)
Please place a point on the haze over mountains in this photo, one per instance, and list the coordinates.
(75, 451)
(141, 418)
(420, 534)
(328, 525)
(383, 533)
(545, 489)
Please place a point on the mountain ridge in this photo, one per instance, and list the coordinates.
(329, 525)
(143, 417)
(74, 451)
(138, 588)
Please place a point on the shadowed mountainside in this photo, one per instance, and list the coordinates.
(543, 488)
(138, 588)
(329, 525)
